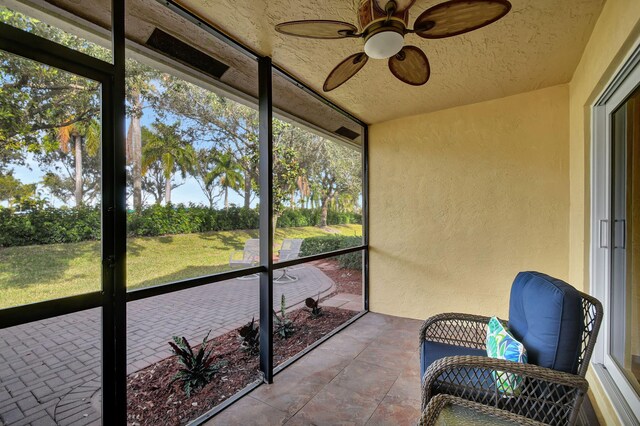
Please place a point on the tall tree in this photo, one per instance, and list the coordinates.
(38, 99)
(228, 174)
(74, 136)
(334, 169)
(13, 190)
(286, 170)
(166, 145)
(154, 183)
(223, 124)
(141, 92)
(203, 174)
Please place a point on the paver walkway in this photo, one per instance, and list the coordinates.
(50, 370)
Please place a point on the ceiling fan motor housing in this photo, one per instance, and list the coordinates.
(384, 40)
(383, 34)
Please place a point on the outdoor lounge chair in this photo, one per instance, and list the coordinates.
(289, 250)
(557, 325)
(250, 256)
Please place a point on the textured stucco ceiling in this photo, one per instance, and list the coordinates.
(538, 44)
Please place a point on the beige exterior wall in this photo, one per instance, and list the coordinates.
(463, 199)
(614, 35)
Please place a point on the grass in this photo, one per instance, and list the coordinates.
(36, 273)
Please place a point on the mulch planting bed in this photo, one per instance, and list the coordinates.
(347, 280)
(152, 400)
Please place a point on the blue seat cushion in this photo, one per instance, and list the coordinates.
(432, 351)
(545, 314)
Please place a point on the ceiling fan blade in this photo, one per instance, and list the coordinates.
(401, 5)
(318, 29)
(411, 66)
(345, 70)
(458, 17)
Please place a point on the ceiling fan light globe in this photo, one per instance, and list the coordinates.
(384, 44)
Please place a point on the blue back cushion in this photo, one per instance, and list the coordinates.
(545, 314)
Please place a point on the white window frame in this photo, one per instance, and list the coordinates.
(624, 398)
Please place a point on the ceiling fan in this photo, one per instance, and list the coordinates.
(384, 25)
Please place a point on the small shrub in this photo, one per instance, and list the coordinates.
(250, 336)
(196, 369)
(283, 325)
(351, 261)
(314, 306)
(317, 245)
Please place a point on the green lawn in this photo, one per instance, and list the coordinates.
(36, 273)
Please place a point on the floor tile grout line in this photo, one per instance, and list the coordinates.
(323, 387)
(336, 375)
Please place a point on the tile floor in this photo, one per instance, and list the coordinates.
(367, 374)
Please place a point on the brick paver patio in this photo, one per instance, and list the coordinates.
(50, 370)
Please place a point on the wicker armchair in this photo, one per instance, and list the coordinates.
(545, 395)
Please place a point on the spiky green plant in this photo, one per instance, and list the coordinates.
(283, 325)
(197, 369)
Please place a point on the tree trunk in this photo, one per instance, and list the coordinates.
(78, 157)
(325, 212)
(226, 198)
(134, 145)
(247, 190)
(167, 191)
(274, 226)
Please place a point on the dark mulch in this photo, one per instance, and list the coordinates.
(152, 401)
(308, 330)
(347, 280)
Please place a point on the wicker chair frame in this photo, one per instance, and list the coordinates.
(430, 415)
(559, 394)
(545, 395)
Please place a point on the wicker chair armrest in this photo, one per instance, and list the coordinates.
(473, 378)
(431, 414)
(456, 329)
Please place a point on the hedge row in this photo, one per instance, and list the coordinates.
(317, 245)
(68, 225)
(311, 217)
(48, 226)
(162, 220)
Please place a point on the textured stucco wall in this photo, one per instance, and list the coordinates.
(613, 36)
(463, 199)
(616, 31)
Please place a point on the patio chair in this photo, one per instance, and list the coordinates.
(250, 257)
(557, 325)
(289, 250)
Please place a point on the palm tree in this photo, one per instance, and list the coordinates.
(228, 173)
(78, 134)
(165, 145)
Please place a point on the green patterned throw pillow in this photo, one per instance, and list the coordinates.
(502, 345)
